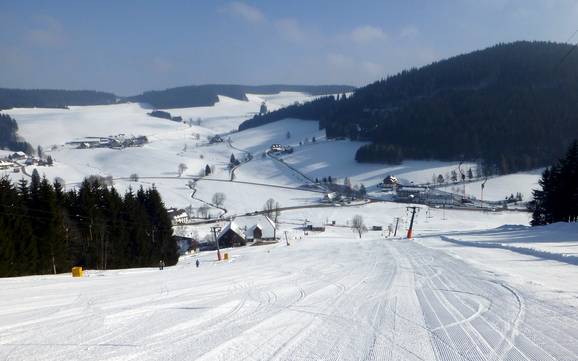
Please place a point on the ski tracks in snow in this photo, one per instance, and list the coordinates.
(354, 300)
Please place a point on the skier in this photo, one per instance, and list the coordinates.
(197, 263)
(389, 230)
(161, 264)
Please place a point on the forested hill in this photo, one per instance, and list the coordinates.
(181, 97)
(513, 106)
(206, 95)
(51, 98)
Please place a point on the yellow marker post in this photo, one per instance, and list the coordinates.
(77, 272)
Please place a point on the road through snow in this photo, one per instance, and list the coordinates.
(322, 298)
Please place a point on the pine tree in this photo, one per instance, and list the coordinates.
(557, 200)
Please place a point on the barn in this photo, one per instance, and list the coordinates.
(231, 235)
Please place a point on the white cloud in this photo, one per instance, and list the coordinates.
(290, 30)
(367, 34)
(244, 11)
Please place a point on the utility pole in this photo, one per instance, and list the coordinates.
(216, 229)
(483, 186)
(410, 230)
(396, 224)
(463, 175)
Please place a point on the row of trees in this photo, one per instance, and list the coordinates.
(557, 201)
(9, 138)
(453, 176)
(48, 98)
(44, 229)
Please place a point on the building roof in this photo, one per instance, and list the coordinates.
(231, 226)
(249, 223)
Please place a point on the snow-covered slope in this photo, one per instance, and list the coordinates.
(327, 295)
(466, 288)
(498, 188)
(46, 127)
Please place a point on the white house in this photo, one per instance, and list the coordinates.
(178, 216)
(6, 165)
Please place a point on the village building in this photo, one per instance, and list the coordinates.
(257, 227)
(18, 156)
(247, 229)
(4, 165)
(231, 235)
(216, 139)
(178, 216)
(331, 197)
(423, 195)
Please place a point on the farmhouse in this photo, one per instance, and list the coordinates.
(215, 139)
(390, 180)
(331, 197)
(178, 216)
(18, 156)
(278, 148)
(231, 235)
(6, 165)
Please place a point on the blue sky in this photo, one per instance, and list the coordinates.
(130, 46)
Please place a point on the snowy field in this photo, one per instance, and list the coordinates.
(471, 285)
(171, 144)
(327, 296)
(337, 159)
(499, 188)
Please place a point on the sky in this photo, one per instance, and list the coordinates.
(130, 46)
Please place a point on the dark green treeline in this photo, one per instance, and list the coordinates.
(557, 201)
(44, 229)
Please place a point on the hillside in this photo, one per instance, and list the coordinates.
(52, 98)
(207, 95)
(512, 106)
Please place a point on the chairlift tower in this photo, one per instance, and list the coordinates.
(410, 230)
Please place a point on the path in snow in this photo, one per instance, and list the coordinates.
(332, 298)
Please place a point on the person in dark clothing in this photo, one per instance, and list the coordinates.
(198, 262)
(161, 264)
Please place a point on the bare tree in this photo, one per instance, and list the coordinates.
(269, 207)
(182, 168)
(133, 177)
(276, 212)
(203, 211)
(189, 210)
(273, 211)
(357, 225)
(218, 199)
